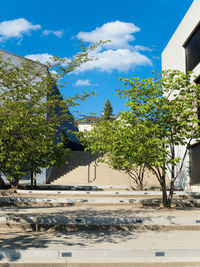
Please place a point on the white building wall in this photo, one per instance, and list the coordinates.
(173, 57)
(85, 127)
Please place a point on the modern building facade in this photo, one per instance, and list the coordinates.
(183, 53)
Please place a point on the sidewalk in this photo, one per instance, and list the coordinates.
(101, 247)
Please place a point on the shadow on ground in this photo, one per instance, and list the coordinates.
(40, 240)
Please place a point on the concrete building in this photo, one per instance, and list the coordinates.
(87, 123)
(183, 53)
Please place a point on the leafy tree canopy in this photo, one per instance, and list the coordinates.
(162, 115)
(166, 108)
(33, 113)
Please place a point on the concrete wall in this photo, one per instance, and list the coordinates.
(85, 127)
(26, 179)
(84, 168)
(174, 57)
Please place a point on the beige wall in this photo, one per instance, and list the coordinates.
(76, 172)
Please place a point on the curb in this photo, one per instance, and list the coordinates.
(74, 223)
(99, 257)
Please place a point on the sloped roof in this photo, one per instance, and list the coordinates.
(88, 119)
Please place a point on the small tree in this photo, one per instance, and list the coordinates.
(164, 110)
(107, 113)
(117, 145)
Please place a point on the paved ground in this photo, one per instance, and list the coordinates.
(98, 211)
(103, 245)
(150, 248)
(101, 240)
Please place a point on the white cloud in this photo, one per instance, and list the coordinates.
(120, 60)
(42, 58)
(58, 34)
(84, 83)
(141, 48)
(119, 54)
(54, 72)
(48, 58)
(16, 28)
(156, 57)
(119, 33)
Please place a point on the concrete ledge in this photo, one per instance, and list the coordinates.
(80, 257)
(103, 220)
(75, 228)
(99, 193)
(68, 200)
(105, 264)
(72, 223)
(30, 201)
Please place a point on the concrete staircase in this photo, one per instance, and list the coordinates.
(83, 168)
(76, 165)
(79, 175)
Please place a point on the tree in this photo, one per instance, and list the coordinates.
(117, 146)
(107, 113)
(163, 114)
(33, 114)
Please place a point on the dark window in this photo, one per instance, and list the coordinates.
(194, 164)
(197, 81)
(192, 49)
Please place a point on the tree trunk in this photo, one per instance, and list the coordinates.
(164, 191)
(165, 200)
(2, 184)
(14, 182)
(33, 180)
(141, 186)
(171, 192)
(141, 178)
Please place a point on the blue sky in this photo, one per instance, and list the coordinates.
(139, 30)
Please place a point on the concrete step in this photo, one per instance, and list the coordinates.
(93, 187)
(65, 222)
(111, 193)
(102, 257)
(70, 200)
